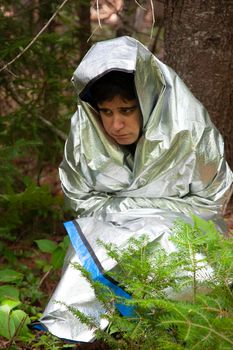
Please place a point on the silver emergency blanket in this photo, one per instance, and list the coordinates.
(178, 169)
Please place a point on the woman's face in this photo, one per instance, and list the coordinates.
(121, 119)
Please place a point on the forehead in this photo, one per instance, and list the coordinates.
(117, 102)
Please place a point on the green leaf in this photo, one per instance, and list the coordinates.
(8, 275)
(20, 319)
(12, 321)
(58, 258)
(204, 225)
(8, 292)
(8, 304)
(46, 245)
(7, 327)
(65, 243)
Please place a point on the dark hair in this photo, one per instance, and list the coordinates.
(114, 83)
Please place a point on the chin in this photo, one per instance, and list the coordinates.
(124, 142)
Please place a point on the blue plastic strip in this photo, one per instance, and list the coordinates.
(90, 265)
(81, 250)
(38, 327)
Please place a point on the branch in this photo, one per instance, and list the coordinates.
(153, 17)
(21, 102)
(98, 13)
(154, 44)
(93, 32)
(56, 131)
(143, 8)
(35, 38)
(98, 19)
(14, 95)
(44, 277)
(210, 329)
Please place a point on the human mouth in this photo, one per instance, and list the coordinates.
(121, 136)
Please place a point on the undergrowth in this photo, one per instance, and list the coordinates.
(22, 293)
(182, 300)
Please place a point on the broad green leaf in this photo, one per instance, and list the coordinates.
(12, 320)
(46, 245)
(58, 258)
(7, 327)
(8, 292)
(8, 275)
(8, 304)
(65, 243)
(20, 319)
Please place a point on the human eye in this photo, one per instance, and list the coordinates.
(105, 112)
(128, 110)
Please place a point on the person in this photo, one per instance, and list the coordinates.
(114, 97)
(142, 152)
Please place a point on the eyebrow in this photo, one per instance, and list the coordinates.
(129, 107)
(103, 109)
(126, 107)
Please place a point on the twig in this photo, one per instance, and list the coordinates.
(14, 95)
(140, 5)
(99, 21)
(93, 32)
(10, 72)
(35, 38)
(44, 277)
(17, 98)
(153, 46)
(210, 329)
(20, 325)
(153, 17)
(98, 13)
(56, 131)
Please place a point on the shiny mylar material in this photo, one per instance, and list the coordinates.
(178, 169)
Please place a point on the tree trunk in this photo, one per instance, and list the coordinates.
(84, 30)
(198, 46)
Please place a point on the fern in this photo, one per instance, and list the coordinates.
(182, 300)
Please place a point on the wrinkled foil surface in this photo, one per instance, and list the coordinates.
(178, 170)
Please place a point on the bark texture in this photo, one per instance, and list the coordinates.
(199, 46)
(84, 30)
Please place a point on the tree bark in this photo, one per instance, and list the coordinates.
(198, 46)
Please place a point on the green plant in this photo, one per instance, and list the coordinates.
(36, 99)
(22, 295)
(22, 201)
(182, 300)
(13, 320)
(47, 341)
(57, 252)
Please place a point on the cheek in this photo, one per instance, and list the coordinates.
(136, 125)
(106, 123)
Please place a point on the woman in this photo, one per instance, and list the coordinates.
(136, 159)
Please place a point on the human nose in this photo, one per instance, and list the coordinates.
(117, 122)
